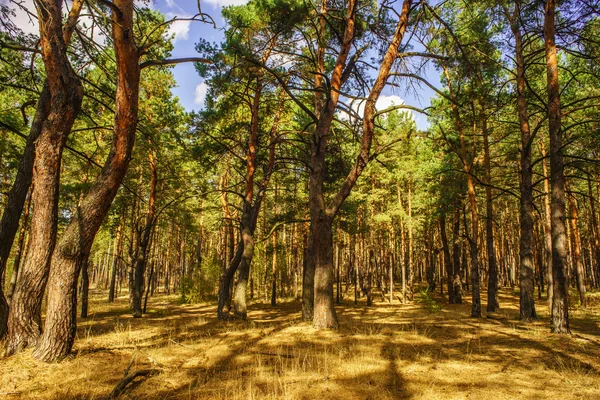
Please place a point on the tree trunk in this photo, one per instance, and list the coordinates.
(85, 289)
(144, 239)
(526, 274)
(475, 290)
(492, 299)
(19, 254)
(115, 264)
(324, 312)
(73, 248)
(576, 239)
(308, 280)
(560, 299)
(447, 259)
(66, 95)
(9, 224)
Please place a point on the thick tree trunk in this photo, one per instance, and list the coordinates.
(526, 265)
(560, 299)
(324, 312)
(308, 280)
(66, 95)
(9, 224)
(239, 298)
(225, 281)
(73, 248)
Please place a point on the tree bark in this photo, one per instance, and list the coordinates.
(73, 248)
(526, 265)
(322, 217)
(9, 224)
(66, 95)
(85, 289)
(560, 300)
(492, 300)
(447, 259)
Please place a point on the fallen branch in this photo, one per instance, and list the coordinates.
(122, 385)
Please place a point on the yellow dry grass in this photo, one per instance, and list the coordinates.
(380, 352)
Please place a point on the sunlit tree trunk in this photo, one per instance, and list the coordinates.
(560, 299)
(9, 224)
(66, 95)
(526, 274)
(74, 246)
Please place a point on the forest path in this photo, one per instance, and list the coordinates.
(425, 350)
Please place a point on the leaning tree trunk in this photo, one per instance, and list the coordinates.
(9, 224)
(225, 281)
(560, 299)
(66, 95)
(239, 306)
(73, 248)
(322, 217)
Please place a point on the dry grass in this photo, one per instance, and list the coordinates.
(383, 352)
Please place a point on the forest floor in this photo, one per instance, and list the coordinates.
(424, 350)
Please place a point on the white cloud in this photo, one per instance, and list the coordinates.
(383, 103)
(171, 4)
(388, 101)
(179, 28)
(201, 90)
(224, 3)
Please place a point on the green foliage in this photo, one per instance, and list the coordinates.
(429, 303)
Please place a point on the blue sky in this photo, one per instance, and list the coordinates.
(190, 87)
(191, 90)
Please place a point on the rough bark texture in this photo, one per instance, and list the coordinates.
(85, 287)
(66, 95)
(9, 224)
(526, 265)
(560, 300)
(73, 248)
(308, 281)
(321, 217)
(225, 280)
